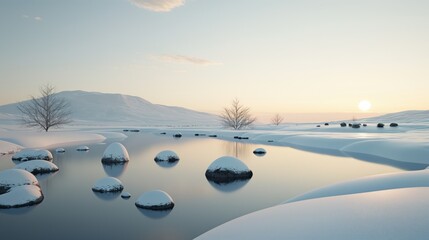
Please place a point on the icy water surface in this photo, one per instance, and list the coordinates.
(71, 210)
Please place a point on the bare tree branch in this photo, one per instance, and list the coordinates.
(236, 116)
(277, 119)
(46, 111)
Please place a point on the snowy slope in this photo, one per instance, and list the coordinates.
(93, 108)
(412, 116)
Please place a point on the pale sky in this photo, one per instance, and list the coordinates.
(291, 57)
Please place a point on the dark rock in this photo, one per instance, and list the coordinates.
(226, 176)
(318, 126)
(213, 135)
(163, 133)
(177, 135)
(343, 124)
(326, 124)
(356, 125)
(380, 125)
(156, 207)
(364, 125)
(394, 125)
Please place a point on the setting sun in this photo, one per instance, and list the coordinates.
(364, 105)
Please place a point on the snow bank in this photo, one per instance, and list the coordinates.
(108, 184)
(32, 154)
(8, 148)
(381, 215)
(115, 153)
(126, 195)
(37, 139)
(167, 155)
(21, 196)
(369, 184)
(37, 166)
(155, 200)
(228, 169)
(399, 150)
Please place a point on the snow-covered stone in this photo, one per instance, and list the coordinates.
(21, 196)
(227, 169)
(259, 151)
(155, 200)
(32, 154)
(125, 195)
(167, 155)
(18, 188)
(16, 177)
(82, 148)
(115, 153)
(60, 150)
(37, 166)
(108, 184)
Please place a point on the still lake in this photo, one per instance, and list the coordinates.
(71, 210)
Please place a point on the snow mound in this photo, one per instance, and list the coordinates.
(37, 166)
(82, 148)
(155, 200)
(228, 169)
(167, 155)
(16, 177)
(370, 184)
(21, 196)
(108, 184)
(381, 215)
(60, 150)
(32, 154)
(259, 151)
(115, 153)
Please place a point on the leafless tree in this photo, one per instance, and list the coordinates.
(46, 111)
(277, 119)
(236, 116)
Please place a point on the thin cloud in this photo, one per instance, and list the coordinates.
(158, 5)
(185, 59)
(37, 18)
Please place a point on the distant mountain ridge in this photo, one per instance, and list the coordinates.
(118, 109)
(411, 116)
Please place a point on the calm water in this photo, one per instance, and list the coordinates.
(71, 210)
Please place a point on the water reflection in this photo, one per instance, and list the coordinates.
(167, 164)
(17, 211)
(115, 169)
(228, 187)
(44, 176)
(155, 214)
(236, 149)
(107, 196)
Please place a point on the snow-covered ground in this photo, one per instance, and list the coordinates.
(350, 210)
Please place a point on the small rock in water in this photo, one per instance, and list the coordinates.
(60, 150)
(82, 149)
(177, 135)
(155, 200)
(108, 184)
(125, 195)
(167, 155)
(259, 151)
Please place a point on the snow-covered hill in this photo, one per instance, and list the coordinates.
(93, 108)
(412, 116)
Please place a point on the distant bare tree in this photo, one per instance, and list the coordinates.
(46, 111)
(277, 119)
(236, 116)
